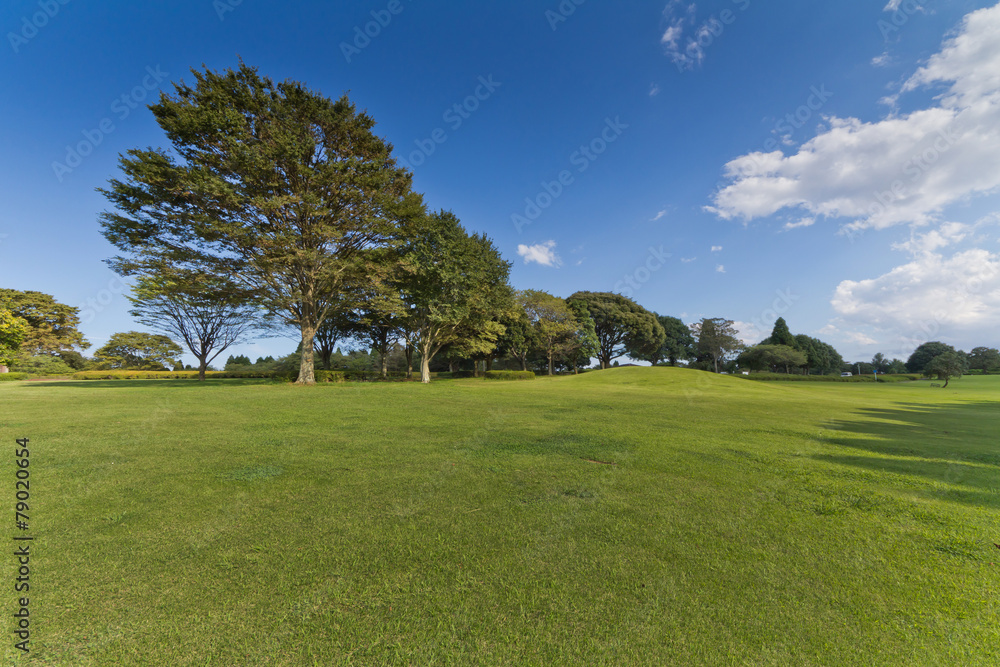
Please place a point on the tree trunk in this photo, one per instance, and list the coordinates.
(425, 369)
(425, 363)
(385, 366)
(524, 363)
(202, 366)
(408, 351)
(551, 364)
(307, 374)
(451, 365)
(489, 364)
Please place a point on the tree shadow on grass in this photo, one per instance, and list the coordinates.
(146, 384)
(953, 444)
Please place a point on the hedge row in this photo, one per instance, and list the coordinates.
(13, 377)
(980, 371)
(781, 377)
(321, 375)
(510, 375)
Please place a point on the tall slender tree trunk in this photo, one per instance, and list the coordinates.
(524, 362)
(551, 364)
(307, 369)
(408, 351)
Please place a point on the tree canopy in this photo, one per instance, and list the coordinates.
(922, 356)
(984, 359)
(52, 326)
(780, 335)
(456, 290)
(621, 325)
(13, 331)
(946, 366)
(136, 350)
(287, 192)
(717, 340)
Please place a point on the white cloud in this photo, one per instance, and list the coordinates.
(720, 269)
(859, 338)
(684, 52)
(960, 294)
(688, 260)
(717, 248)
(659, 215)
(881, 60)
(749, 333)
(540, 253)
(654, 90)
(948, 234)
(804, 222)
(902, 169)
(892, 6)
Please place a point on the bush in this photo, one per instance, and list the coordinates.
(13, 377)
(510, 375)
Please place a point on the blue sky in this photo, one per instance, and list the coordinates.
(832, 163)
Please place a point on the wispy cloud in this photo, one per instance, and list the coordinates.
(717, 248)
(720, 269)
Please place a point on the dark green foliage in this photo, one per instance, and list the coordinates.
(946, 365)
(821, 358)
(774, 357)
(922, 356)
(780, 335)
(41, 365)
(984, 358)
(621, 325)
(13, 377)
(509, 375)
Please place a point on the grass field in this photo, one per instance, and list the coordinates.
(633, 516)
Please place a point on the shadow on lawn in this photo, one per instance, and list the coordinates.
(953, 444)
(134, 384)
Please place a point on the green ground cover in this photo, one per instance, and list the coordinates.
(631, 516)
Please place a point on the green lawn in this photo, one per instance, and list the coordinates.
(632, 516)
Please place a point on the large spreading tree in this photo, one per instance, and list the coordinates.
(621, 325)
(287, 193)
(921, 357)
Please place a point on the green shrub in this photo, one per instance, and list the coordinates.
(13, 377)
(510, 375)
(781, 377)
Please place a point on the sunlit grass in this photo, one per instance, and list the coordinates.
(633, 516)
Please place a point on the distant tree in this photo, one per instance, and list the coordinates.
(584, 345)
(984, 358)
(518, 337)
(821, 358)
(679, 343)
(621, 325)
(13, 331)
(335, 328)
(896, 366)
(289, 193)
(552, 321)
(880, 363)
(205, 312)
(717, 340)
(780, 335)
(457, 286)
(52, 326)
(763, 356)
(946, 366)
(139, 351)
(922, 356)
